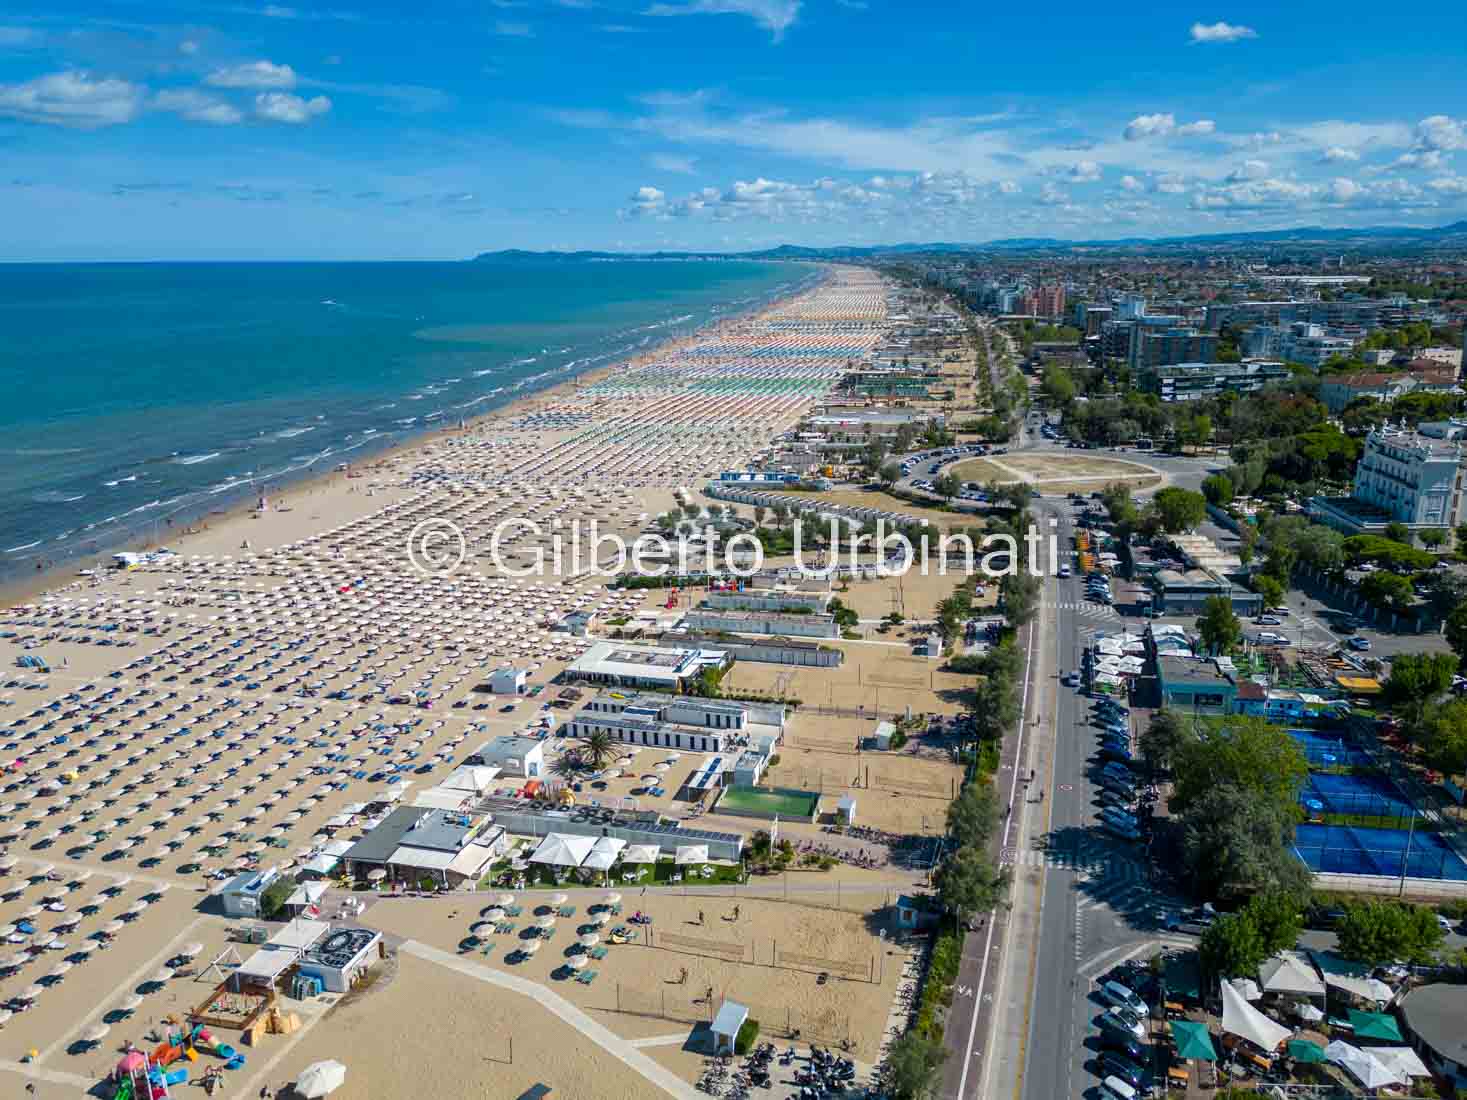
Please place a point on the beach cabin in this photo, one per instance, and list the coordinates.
(845, 811)
(242, 894)
(508, 681)
(913, 913)
(883, 735)
(516, 756)
(726, 1024)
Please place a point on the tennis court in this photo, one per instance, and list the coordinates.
(1323, 750)
(1342, 850)
(768, 801)
(1372, 795)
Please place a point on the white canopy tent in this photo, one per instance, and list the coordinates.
(1367, 989)
(1369, 1070)
(1242, 1019)
(1402, 1061)
(692, 853)
(563, 850)
(1288, 972)
(604, 852)
(641, 853)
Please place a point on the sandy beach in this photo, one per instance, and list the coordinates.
(288, 674)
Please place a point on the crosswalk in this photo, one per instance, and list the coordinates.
(1085, 609)
(1095, 864)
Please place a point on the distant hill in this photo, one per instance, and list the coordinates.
(1373, 238)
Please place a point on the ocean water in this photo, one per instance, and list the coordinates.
(141, 396)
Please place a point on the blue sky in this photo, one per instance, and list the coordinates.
(367, 130)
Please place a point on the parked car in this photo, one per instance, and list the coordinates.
(1358, 643)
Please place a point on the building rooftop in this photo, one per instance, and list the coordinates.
(1191, 670)
(1434, 1014)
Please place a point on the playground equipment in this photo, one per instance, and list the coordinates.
(144, 1075)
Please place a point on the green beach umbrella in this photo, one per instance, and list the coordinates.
(1302, 1050)
(1193, 1041)
(1375, 1025)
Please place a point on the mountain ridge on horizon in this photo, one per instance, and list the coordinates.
(1377, 235)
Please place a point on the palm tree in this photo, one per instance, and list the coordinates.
(759, 513)
(597, 748)
(567, 766)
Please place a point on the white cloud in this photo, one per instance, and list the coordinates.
(253, 74)
(1345, 190)
(671, 162)
(1164, 124)
(195, 106)
(1441, 133)
(1248, 170)
(1221, 32)
(1131, 183)
(1449, 185)
(775, 16)
(1432, 160)
(1050, 195)
(1085, 171)
(284, 107)
(1338, 153)
(1008, 187)
(73, 99)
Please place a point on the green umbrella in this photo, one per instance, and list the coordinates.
(1302, 1050)
(1375, 1025)
(1193, 1041)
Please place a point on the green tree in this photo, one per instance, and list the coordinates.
(972, 817)
(1279, 916)
(1456, 631)
(567, 766)
(1058, 386)
(947, 486)
(1118, 503)
(889, 474)
(1020, 594)
(1232, 947)
(596, 748)
(1418, 678)
(1432, 538)
(1218, 625)
(1242, 751)
(1179, 509)
(1388, 591)
(1218, 489)
(1380, 932)
(1443, 737)
(1270, 589)
(1398, 532)
(969, 883)
(910, 1071)
(1162, 739)
(1235, 842)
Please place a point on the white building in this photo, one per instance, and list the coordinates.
(511, 755)
(1410, 477)
(625, 665)
(507, 681)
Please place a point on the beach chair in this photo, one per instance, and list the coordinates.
(513, 910)
(586, 977)
(598, 953)
(567, 910)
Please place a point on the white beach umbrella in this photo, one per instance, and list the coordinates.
(319, 1079)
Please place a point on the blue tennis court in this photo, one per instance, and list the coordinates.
(1324, 750)
(1342, 850)
(1354, 794)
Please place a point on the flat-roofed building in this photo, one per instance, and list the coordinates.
(627, 665)
(773, 623)
(1417, 478)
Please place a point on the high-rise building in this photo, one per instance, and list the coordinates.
(1151, 347)
(1049, 301)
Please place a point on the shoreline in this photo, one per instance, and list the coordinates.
(65, 574)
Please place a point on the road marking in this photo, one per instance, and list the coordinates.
(988, 944)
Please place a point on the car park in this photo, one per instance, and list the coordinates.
(1269, 620)
(1113, 1088)
(1117, 1065)
(1125, 1020)
(1358, 643)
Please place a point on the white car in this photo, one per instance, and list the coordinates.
(1065, 571)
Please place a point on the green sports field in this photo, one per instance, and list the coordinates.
(766, 802)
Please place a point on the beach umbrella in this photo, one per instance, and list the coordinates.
(494, 914)
(45, 939)
(31, 912)
(31, 992)
(131, 1003)
(112, 927)
(545, 922)
(611, 897)
(559, 899)
(530, 947)
(319, 1079)
(60, 969)
(377, 874)
(505, 899)
(590, 939)
(5, 1015)
(163, 974)
(576, 962)
(189, 950)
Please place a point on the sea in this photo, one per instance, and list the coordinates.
(140, 397)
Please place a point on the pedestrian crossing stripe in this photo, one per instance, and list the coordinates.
(1084, 862)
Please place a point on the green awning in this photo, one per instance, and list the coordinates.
(1375, 1025)
(1193, 1041)
(1302, 1050)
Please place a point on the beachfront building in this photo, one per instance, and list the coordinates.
(765, 599)
(416, 842)
(771, 623)
(1417, 478)
(1196, 685)
(678, 722)
(508, 681)
(341, 958)
(620, 664)
(511, 755)
(242, 895)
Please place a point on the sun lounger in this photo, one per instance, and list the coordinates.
(567, 910)
(586, 977)
(598, 953)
